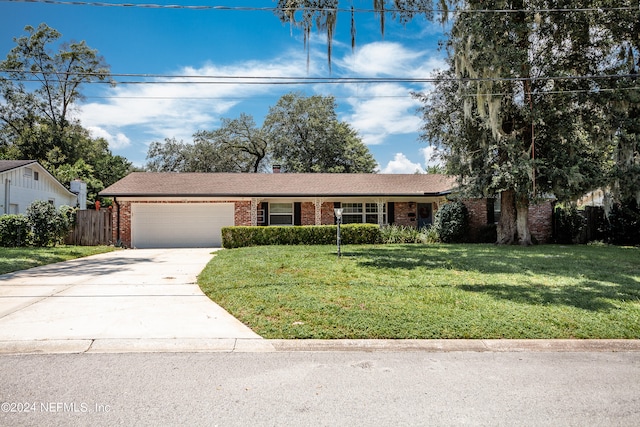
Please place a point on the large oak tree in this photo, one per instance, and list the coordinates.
(306, 136)
(301, 134)
(541, 97)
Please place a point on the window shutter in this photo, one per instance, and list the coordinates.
(491, 215)
(297, 213)
(265, 209)
(391, 213)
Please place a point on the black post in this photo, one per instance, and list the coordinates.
(339, 221)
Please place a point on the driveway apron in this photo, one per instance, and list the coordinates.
(123, 295)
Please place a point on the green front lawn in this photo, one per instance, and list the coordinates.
(433, 291)
(14, 259)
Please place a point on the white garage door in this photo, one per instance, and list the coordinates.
(176, 225)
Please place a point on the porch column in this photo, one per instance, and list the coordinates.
(380, 204)
(254, 210)
(317, 203)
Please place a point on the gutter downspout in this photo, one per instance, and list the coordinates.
(7, 195)
(118, 241)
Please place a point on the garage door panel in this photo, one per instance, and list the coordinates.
(155, 225)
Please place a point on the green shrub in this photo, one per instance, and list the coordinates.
(355, 234)
(14, 230)
(69, 217)
(394, 233)
(429, 235)
(569, 223)
(451, 222)
(359, 234)
(48, 226)
(623, 224)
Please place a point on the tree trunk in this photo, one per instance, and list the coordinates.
(507, 225)
(522, 210)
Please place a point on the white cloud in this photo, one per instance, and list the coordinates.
(380, 58)
(379, 110)
(429, 159)
(131, 116)
(401, 164)
(117, 141)
(168, 107)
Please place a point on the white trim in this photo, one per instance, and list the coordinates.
(282, 214)
(181, 199)
(255, 202)
(366, 210)
(317, 204)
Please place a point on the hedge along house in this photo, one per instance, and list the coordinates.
(189, 209)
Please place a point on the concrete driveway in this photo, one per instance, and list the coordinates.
(127, 300)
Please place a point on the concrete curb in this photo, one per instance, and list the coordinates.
(135, 345)
(459, 345)
(250, 345)
(45, 346)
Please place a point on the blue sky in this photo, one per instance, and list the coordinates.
(238, 43)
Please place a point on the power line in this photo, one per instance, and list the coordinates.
(335, 10)
(292, 80)
(408, 95)
(236, 98)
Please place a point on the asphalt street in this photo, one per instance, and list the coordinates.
(328, 388)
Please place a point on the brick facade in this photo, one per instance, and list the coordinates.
(477, 216)
(405, 214)
(122, 217)
(328, 216)
(540, 219)
(307, 213)
(540, 216)
(242, 215)
(541, 222)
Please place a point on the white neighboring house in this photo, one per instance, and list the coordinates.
(25, 181)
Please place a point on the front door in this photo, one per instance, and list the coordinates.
(425, 215)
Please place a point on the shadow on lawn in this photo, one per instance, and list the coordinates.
(75, 267)
(600, 277)
(587, 295)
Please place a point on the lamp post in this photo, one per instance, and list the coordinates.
(338, 213)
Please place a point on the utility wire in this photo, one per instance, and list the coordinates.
(338, 9)
(408, 95)
(285, 80)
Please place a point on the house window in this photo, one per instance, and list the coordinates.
(281, 214)
(358, 213)
(36, 176)
(28, 172)
(493, 210)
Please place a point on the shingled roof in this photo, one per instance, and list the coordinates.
(278, 185)
(7, 165)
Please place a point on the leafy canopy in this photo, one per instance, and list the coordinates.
(301, 134)
(40, 86)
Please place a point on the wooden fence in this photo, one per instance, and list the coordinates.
(92, 228)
